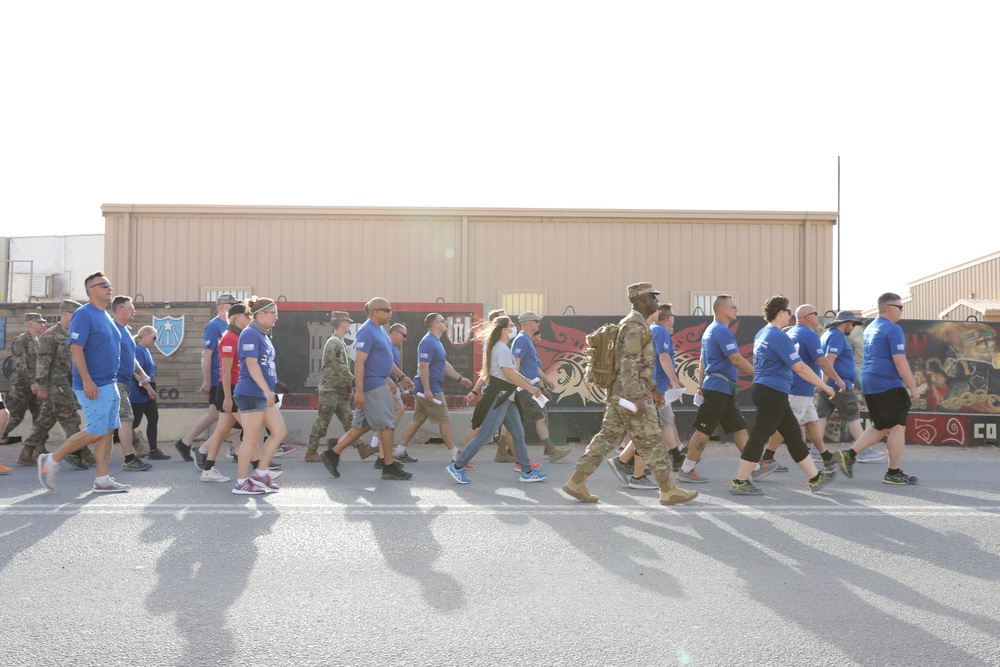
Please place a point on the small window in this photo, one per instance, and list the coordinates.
(212, 293)
(701, 302)
(516, 302)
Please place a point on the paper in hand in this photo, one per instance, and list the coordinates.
(628, 405)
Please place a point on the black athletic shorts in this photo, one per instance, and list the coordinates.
(889, 408)
(719, 408)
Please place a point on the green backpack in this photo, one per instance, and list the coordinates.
(601, 365)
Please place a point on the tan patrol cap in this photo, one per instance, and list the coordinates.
(226, 298)
(639, 289)
(69, 305)
(338, 315)
(33, 317)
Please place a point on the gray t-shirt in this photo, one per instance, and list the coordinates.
(500, 358)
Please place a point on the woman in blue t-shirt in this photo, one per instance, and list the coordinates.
(255, 398)
(774, 360)
(144, 402)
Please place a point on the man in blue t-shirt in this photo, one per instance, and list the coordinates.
(95, 344)
(800, 398)
(717, 374)
(373, 406)
(124, 312)
(528, 364)
(837, 348)
(430, 402)
(889, 388)
(209, 373)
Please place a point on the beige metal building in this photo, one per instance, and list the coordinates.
(969, 290)
(548, 260)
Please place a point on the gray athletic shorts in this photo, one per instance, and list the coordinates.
(844, 402)
(665, 415)
(378, 411)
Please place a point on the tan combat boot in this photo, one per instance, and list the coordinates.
(555, 453)
(670, 494)
(577, 488)
(503, 454)
(312, 455)
(27, 457)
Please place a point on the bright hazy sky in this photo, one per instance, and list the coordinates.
(652, 105)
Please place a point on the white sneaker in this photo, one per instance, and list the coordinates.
(870, 455)
(213, 475)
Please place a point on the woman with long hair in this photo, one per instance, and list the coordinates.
(144, 403)
(501, 395)
(256, 400)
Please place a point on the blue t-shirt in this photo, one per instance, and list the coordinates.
(807, 343)
(717, 343)
(374, 341)
(773, 356)
(835, 342)
(213, 332)
(523, 349)
(126, 361)
(662, 342)
(882, 339)
(254, 343)
(397, 359)
(429, 351)
(137, 394)
(94, 329)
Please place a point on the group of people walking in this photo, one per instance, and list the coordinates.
(90, 361)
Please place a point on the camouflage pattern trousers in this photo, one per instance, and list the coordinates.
(60, 407)
(18, 401)
(618, 424)
(327, 408)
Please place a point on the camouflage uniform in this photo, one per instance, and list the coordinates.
(54, 374)
(20, 398)
(335, 387)
(635, 383)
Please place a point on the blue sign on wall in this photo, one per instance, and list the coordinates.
(3, 333)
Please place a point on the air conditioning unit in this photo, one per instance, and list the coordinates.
(39, 286)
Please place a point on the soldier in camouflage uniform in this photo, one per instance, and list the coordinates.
(21, 397)
(635, 383)
(335, 385)
(54, 377)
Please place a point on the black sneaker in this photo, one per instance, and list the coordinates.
(184, 450)
(76, 461)
(899, 478)
(676, 458)
(331, 460)
(395, 471)
(379, 464)
(405, 458)
(157, 455)
(199, 458)
(845, 462)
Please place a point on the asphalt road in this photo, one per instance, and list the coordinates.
(356, 571)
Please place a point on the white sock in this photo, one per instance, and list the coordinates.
(454, 452)
(688, 465)
(374, 441)
(399, 450)
(241, 481)
(103, 479)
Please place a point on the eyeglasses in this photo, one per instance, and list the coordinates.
(385, 310)
(810, 314)
(895, 305)
(104, 284)
(403, 335)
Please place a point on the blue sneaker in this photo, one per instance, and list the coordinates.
(458, 474)
(533, 476)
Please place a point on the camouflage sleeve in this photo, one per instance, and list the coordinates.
(46, 355)
(343, 379)
(635, 374)
(19, 352)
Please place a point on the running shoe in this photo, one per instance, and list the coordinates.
(136, 465)
(898, 478)
(533, 476)
(76, 461)
(643, 482)
(184, 450)
(4, 470)
(232, 454)
(870, 455)
(379, 464)
(621, 470)
(275, 474)
(468, 466)
(845, 461)
(744, 488)
(458, 474)
(199, 458)
(47, 471)
(535, 465)
(823, 479)
(247, 488)
(404, 458)
(331, 460)
(264, 481)
(690, 477)
(395, 471)
(284, 449)
(158, 455)
(213, 475)
(765, 469)
(110, 486)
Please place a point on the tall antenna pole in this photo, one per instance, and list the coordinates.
(838, 233)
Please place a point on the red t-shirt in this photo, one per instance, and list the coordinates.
(227, 349)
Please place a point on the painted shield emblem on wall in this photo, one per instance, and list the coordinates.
(169, 333)
(459, 329)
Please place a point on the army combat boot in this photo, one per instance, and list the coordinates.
(27, 456)
(555, 453)
(577, 488)
(87, 456)
(312, 454)
(670, 494)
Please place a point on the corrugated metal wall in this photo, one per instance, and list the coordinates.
(934, 295)
(582, 259)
